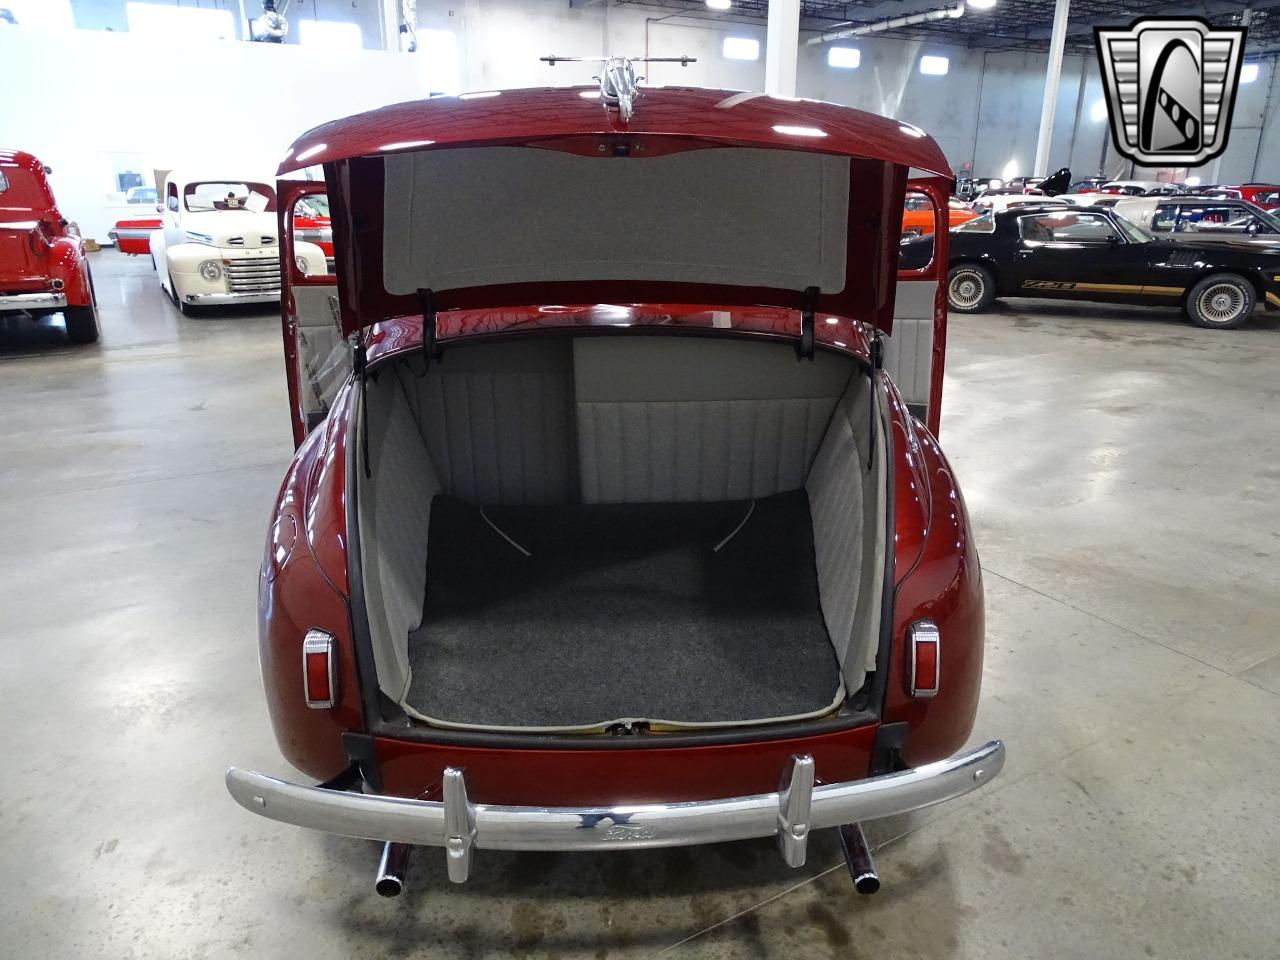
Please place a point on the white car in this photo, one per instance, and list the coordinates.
(994, 203)
(1142, 188)
(218, 242)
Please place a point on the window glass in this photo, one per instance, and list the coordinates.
(1220, 218)
(219, 195)
(1165, 218)
(1066, 227)
(983, 223)
(311, 224)
(172, 201)
(4, 182)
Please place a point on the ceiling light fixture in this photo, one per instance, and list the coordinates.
(719, 4)
(980, 4)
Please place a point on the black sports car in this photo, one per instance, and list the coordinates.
(1095, 254)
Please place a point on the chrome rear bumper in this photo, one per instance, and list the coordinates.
(33, 301)
(459, 825)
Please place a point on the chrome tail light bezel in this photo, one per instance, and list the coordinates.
(919, 634)
(319, 643)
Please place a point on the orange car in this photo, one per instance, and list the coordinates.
(917, 215)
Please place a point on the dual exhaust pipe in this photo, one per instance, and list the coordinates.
(393, 865)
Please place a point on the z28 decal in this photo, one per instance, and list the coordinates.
(1144, 289)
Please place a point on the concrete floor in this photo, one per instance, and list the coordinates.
(1123, 471)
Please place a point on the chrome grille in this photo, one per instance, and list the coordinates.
(259, 275)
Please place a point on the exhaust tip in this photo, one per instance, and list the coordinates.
(391, 887)
(866, 884)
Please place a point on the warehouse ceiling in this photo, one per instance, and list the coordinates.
(1010, 25)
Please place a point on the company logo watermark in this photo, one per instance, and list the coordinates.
(1171, 86)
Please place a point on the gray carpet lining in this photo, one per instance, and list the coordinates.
(621, 612)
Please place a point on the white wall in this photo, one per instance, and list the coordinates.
(229, 106)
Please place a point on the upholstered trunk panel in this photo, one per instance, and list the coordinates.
(497, 421)
(680, 419)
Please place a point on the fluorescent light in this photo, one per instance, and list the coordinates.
(589, 94)
(911, 130)
(845, 58)
(1098, 112)
(310, 152)
(981, 4)
(330, 35)
(480, 96)
(1249, 73)
(719, 4)
(406, 145)
(798, 131)
(741, 48)
(934, 66)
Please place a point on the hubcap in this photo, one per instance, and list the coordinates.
(966, 289)
(1221, 303)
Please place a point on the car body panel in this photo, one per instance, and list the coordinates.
(41, 254)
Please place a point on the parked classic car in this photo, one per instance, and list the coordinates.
(1203, 219)
(670, 567)
(917, 215)
(218, 242)
(1265, 195)
(1095, 254)
(43, 265)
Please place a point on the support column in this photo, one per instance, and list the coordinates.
(390, 10)
(1057, 40)
(781, 47)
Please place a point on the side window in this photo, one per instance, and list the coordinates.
(312, 229)
(172, 197)
(1066, 228)
(4, 182)
(917, 215)
(1216, 218)
(1165, 218)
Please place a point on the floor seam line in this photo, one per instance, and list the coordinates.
(135, 483)
(1110, 623)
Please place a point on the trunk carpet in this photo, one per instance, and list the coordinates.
(622, 611)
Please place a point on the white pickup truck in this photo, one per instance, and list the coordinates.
(218, 244)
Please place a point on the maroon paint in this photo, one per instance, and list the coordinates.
(551, 113)
(657, 774)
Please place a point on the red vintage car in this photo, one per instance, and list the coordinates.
(43, 266)
(573, 554)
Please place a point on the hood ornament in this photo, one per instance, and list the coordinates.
(619, 84)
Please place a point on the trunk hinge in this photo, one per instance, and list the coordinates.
(877, 364)
(430, 349)
(360, 366)
(808, 325)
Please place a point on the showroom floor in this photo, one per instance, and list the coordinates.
(1123, 471)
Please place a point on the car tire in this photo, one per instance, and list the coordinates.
(82, 322)
(970, 288)
(183, 308)
(1221, 301)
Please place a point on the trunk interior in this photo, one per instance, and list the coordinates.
(570, 533)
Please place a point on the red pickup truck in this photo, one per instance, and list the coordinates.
(43, 266)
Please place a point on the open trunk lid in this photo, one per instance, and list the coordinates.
(543, 197)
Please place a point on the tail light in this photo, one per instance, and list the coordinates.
(923, 656)
(319, 678)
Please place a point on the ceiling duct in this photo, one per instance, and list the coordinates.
(271, 26)
(894, 23)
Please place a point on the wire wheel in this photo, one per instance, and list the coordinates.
(967, 289)
(1221, 303)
